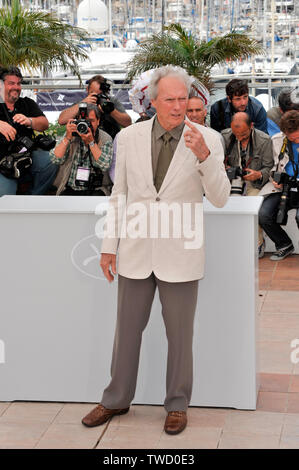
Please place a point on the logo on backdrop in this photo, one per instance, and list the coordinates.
(59, 100)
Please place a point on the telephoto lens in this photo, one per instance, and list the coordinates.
(282, 213)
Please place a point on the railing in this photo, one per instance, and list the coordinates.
(269, 84)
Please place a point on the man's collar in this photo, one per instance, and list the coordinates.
(175, 132)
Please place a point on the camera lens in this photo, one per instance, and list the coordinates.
(82, 127)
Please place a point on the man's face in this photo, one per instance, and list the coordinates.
(241, 131)
(171, 102)
(293, 136)
(94, 121)
(12, 88)
(196, 111)
(94, 87)
(239, 102)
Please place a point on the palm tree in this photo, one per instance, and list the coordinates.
(38, 40)
(174, 46)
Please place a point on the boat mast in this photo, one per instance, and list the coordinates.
(273, 11)
(110, 25)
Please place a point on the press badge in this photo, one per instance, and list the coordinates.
(82, 176)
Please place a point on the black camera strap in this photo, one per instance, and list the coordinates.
(87, 154)
(243, 153)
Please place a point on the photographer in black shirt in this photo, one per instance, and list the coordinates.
(114, 115)
(19, 117)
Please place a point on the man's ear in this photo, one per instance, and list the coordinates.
(228, 99)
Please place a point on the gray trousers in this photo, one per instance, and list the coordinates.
(135, 298)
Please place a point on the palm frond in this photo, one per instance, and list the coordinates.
(174, 46)
(38, 40)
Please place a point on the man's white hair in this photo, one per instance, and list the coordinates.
(168, 71)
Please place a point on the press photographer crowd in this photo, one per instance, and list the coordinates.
(260, 149)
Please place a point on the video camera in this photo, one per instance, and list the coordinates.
(82, 122)
(289, 196)
(103, 98)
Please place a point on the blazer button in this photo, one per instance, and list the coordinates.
(158, 199)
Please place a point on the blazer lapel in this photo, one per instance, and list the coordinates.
(144, 146)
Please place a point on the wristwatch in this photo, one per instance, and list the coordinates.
(91, 144)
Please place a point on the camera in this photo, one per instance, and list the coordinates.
(235, 175)
(18, 160)
(233, 172)
(289, 197)
(82, 122)
(103, 98)
(279, 178)
(19, 144)
(106, 105)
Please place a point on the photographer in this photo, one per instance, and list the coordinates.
(84, 155)
(281, 193)
(249, 160)
(19, 117)
(237, 100)
(287, 100)
(114, 115)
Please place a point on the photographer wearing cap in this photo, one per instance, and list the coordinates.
(19, 154)
(84, 155)
(281, 193)
(114, 115)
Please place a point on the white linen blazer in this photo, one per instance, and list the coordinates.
(170, 258)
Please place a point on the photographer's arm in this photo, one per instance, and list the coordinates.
(123, 119)
(62, 147)
(71, 113)
(67, 114)
(7, 130)
(39, 123)
(101, 153)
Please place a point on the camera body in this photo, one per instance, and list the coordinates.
(235, 175)
(105, 103)
(234, 172)
(279, 178)
(18, 160)
(103, 98)
(82, 122)
(20, 143)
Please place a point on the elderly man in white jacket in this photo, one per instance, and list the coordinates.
(164, 166)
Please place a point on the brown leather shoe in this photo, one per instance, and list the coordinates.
(175, 422)
(99, 415)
